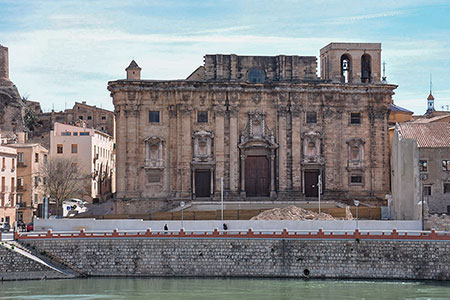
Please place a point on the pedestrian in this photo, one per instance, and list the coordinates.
(166, 228)
(225, 226)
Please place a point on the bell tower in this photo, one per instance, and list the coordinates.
(430, 100)
(351, 62)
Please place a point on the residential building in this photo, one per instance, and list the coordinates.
(421, 167)
(267, 125)
(8, 177)
(94, 152)
(30, 182)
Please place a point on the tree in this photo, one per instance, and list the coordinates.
(64, 179)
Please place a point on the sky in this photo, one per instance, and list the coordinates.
(62, 51)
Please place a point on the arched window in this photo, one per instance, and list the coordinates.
(366, 67)
(346, 68)
(256, 75)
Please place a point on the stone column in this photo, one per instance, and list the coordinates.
(193, 183)
(172, 148)
(273, 193)
(121, 151)
(234, 150)
(296, 149)
(243, 194)
(212, 183)
(219, 144)
(186, 151)
(282, 112)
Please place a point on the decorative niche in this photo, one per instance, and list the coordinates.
(154, 156)
(355, 154)
(203, 144)
(312, 142)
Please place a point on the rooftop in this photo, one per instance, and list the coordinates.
(427, 135)
(398, 108)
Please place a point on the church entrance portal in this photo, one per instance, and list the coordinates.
(202, 183)
(257, 176)
(311, 180)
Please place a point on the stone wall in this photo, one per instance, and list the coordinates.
(14, 266)
(322, 258)
(437, 222)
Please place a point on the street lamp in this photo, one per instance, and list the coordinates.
(182, 209)
(356, 204)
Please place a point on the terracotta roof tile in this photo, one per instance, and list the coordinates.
(427, 135)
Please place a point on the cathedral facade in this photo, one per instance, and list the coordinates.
(270, 127)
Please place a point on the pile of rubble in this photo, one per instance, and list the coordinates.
(293, 212)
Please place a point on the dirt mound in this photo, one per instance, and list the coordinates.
(293, 212)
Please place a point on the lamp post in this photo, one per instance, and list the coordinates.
(356, 204)
(182, 209)
(319, 183)
(221, 195)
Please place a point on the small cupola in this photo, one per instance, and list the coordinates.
(133, 71)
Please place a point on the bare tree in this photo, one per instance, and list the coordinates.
(64, 180)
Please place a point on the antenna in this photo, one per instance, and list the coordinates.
(383, 79)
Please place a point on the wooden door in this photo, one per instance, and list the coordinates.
(257, 176)
(311, 180)
(202, 183)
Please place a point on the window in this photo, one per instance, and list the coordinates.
(202, 117)
(3, 163)
(19, 198)
(446, 187)
(311, 117)
(45, 158)
(84, 133)
(75, 134)
(36, 181)
(13, 167)
(346, 69)
(89, 117)
(59, 148)
(153, 116)
(365, 68)
(36, 198)
(446, 165)
(427, 190)
(103, 117)
(74, 148)
(356, 179)
(256, 75)
(66, 133)
(19, 181)
(20, 157)
(423, 166)
(36, 157)
(80, 117)
(44, 180)
(355, 118)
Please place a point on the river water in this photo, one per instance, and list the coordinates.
(218, 289)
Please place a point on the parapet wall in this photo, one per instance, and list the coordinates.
(215, 254)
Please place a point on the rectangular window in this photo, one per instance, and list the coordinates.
(84, 133)
(19, 198)
(153, 116)
(75, 134)
(427, 190)
(89, 117)
(74, 148)
(66, 133)
(59, 148)
(423, 166)
(446, 165)
(19, 181)
(36, 157)
(355, 118)
(202, 117)
(45, 158)
(80, 117)
(36, 198)
(36, 181)
(103, 117)
(446, 187)
(20, 157)
(3, 163)
(311, 117)
(356, 179)
(13, 167)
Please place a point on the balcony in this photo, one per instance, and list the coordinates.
(22, 205)
(21, 164)
(21, 188)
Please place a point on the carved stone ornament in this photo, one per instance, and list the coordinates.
(154, 156)
(256, 98)
(312, 142)
(203, 141)
(256, 132)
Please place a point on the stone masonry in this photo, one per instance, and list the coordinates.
(228, 257)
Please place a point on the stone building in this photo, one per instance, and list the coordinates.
(421, 158)
(8, 157)
(267, 125)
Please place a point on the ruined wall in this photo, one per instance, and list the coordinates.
(228, 257)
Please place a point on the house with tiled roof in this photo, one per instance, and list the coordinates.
(420, 168)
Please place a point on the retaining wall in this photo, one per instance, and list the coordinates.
(14, 266)
(393, 256)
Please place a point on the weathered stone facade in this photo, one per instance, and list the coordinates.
(228, 257)
(268, 125)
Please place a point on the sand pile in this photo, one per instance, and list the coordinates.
(293, 212)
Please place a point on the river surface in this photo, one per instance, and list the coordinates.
(218, 289)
